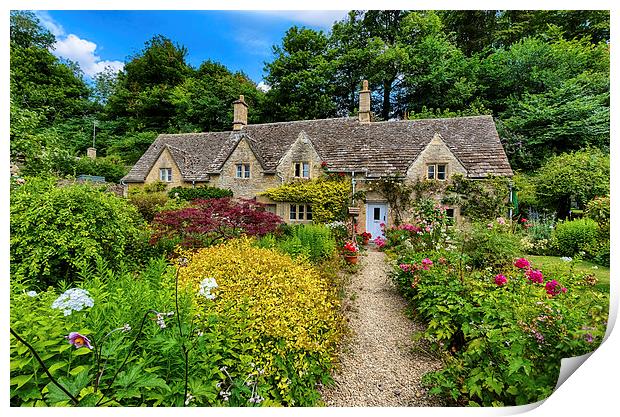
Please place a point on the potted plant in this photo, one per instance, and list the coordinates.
(350, 250)
(365, 237)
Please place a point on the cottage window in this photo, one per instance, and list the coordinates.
(300, 212)
(437, 172)
(302, 170)
(165, 174)
(243, 171)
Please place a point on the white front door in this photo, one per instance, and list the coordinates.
(376, 213)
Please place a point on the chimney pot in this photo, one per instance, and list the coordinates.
(240, 113)
(364, 105)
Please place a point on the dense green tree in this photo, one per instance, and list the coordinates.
(39, 80)
(203, 102)
(472, 30)
(142, 95)
(299, 77)
(572, 178)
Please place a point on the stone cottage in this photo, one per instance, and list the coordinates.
(252, 158)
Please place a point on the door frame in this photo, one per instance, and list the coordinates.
(368, 219)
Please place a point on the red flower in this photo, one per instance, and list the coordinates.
(500, 279)
(323, 164)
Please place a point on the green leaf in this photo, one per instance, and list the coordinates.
(20, 380)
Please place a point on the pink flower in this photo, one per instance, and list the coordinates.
(380, 242)
(404, 267)
(501, 220)
(490, 226)
(427, 261)
(535, 276)
(427, 228)
(500, 279)
(522, 263)
(553, 289)
(523, 220)
(442, 260)
(78, 340)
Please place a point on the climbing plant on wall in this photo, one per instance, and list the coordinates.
(479, 199)
(329, 197)
(397, 193)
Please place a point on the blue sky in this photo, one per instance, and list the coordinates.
(241, 40)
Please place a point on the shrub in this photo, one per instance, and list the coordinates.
(490, 244)
(290, 313)
(202, 193)
(207, 222)
(571, 237)
(55, 230)
(329, 197)
(598, 209)
(110, 167)
(148, 204)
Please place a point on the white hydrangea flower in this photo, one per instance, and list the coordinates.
(206, 285)
(74, 299)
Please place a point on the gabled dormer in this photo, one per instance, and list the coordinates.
(301, 161)
(435, 162)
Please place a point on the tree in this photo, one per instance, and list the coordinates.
(203, 102)
(299, 77)
(39, 81)
(142, 96)
(575, 177)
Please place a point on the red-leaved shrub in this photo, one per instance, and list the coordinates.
(211, 221)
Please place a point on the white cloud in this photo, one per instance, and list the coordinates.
(83, 52)
(322, 18)
(263, 86)
(50, 24)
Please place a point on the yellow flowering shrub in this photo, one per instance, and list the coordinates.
(286, 308)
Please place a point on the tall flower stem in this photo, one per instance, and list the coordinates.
(183, 347)
(74, 400)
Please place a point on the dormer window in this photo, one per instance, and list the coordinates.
(165, 174)
(243, 171)
(437, 172)
(302, 170)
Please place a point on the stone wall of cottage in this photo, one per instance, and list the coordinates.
(165, 160)
(244, 187)
(300, 151)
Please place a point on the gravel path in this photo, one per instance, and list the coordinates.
(379, 365)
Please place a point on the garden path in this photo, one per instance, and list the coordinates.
(380, 365)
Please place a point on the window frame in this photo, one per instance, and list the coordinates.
(168, 174)
(242, 171)
(300, 212)
(434, 168)
(301, 169)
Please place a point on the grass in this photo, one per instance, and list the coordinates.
(554, 263)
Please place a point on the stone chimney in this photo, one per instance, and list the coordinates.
(240, 113)
(91, 153)
(364, 112)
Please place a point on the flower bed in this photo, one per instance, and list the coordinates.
(502, 334)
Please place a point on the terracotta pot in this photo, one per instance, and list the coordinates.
(352, 259)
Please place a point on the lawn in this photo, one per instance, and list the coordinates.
(551, 264)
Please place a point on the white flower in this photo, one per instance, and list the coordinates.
(206, 285)
(566, 258)
(31, 293)
(595, 267)
(126, 327)
(74, 299)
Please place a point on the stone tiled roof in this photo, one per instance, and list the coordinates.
(378, 148)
